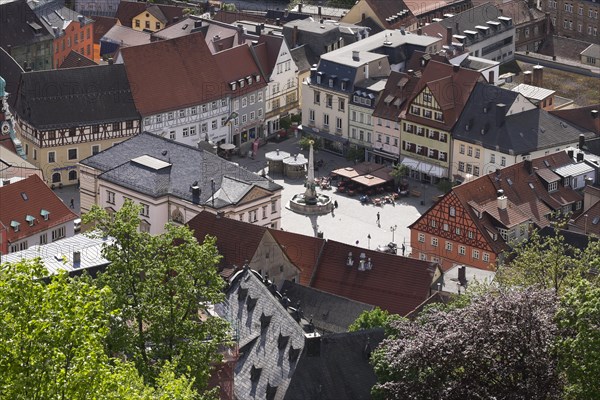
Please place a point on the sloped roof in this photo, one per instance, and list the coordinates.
(17, 22)
(177, 29)
(10, 71)
(125, 36)
(54, 14)
(127, 10)
(396, 284)
(303, 58)
(302, 250)
(237, 241)
(101, 26)
(582, 117)
(28, 197)
(593, 50)
(451, 87)
(230, 17)
(245, 66)
(269, 51)
(187, 165)
(328, 312)
(589, 221)
(341, 371)
(72, 97)
(398, 89)
(266, 334)
(389, 8)
(75, 59)
(173, 74)
(519, 133)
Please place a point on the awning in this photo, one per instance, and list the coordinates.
(429, 169)
(324, 135)
(368, 180)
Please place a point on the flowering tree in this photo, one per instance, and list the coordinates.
(498, 346)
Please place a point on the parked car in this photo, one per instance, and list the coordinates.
(77, 224)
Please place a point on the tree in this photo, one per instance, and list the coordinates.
(375, 318)
(399, 172)
(52, 342)
(162, 286)
(578, 344)
(305, 140)
(548, 262)
(499, 345)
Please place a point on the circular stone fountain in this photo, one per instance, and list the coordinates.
(311, 202)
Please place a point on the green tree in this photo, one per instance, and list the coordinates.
(548, 262)
(399, 172)
(579, 340)
(163, 286)
(305, 140)
(52, 342)
(499, 346)
(375, 318)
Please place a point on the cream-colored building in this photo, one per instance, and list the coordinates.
(173, 183)
(63, 116)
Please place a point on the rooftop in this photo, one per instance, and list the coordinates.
(533, 92)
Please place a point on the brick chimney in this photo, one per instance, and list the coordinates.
(527, 77)
(449, 36)
(295, 37)
(502, 200)
(500, 113)
(538, 75)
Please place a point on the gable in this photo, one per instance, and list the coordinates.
(254, 194)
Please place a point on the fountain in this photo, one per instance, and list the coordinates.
(311, 202)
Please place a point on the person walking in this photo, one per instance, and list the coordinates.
(378, 218)
(335, 204)
(72, 204)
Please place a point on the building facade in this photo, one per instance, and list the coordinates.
(577, 19)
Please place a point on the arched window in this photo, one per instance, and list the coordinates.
(56, 177)
(177, 216)
(72, 175)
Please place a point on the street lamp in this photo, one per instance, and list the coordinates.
(393, 229)
(369, 239)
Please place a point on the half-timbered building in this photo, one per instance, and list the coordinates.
(63, 116)
(476, 222)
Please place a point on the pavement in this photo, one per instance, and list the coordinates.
(351, 223)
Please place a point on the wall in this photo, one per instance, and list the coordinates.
(77, 38)
(567, 20)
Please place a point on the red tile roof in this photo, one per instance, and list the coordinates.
(268, 50)
(389, 8)
(101, 26)
(396, 284)
(582, 117)
(589, 220)
(28, 197)
(171, 74)
(237, 241)
(303, 251)
(244, 66)
(398, 89)
(127, 10)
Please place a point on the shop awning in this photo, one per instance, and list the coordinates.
(324, 135)
(429, 169)
(368, 180)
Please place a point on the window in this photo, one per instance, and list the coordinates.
(476, 171)
(241, 216)
(503, 162)
(311, 115)
(186, 132)
(415, 110)
(329, 101)
(578, 205)
(452, 211)
(421, 238)
(438, 116)
(194, 110)
(486, 257)
(137, 23)
(72, 154)
(145, 211)
(433, 223)
(457, 230)
(157, 25)
(423, 256)
(44, 238)
(172, 135)
(448, 246)
(341, 104)
(73, 175)
(461, 250)
(477, 153)
(244, 118)
(260, 112)
(274, 207)
(51, 157)
(58, 233)
(147, 24)
(326, 120)
(552, 186)
(110, 197)
(427, 97)
(181, 113)
(434, 241)
(461, 166)
(476, 254)
(462, 149)
(192, 130)
(470, 151)
(470, 234)
(338, 124)
(317, 97)
(492, 158)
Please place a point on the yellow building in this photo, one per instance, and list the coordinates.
(151, 20)
(63, 116)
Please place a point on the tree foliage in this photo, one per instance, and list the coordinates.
(52, 336)
(548, 262)
(578, 344)
(376, 318)
(162, 285)
(398, 172)
(497, 346)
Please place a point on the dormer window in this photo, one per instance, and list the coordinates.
(330, 82)
(45, 214)
(257, 78)
(249, 80)
(241, 81)
(552, 186)
(567, 181)
(30, 219)
(233, 85)
(15, 225)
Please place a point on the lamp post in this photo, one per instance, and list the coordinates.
(369, 241)
(393, 229)
(212, 187)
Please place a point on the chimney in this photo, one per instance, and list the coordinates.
(258, 30)
(462, 275)
(491, 77)
(355, 55)
(527, 77)
(81, 20)
(570, 153)
(111, 61)
(419, 31)
(197, 24)
(319, 11)
(500, 113)
(299, 7)
(528, 166)
(548, 24)
(456, 28)
(278, 21)
(594, 114)
(589, 181)
(580, 157)
(538, 75)
(76, 258)
(456, 68)
(449, 36)
(581, 141)
(175, 19)
(295, 36)
(502, 200)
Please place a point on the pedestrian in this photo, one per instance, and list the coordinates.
(335, 204)
(403, 249)
(72, 204)
(378, 218)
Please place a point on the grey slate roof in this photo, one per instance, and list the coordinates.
(267, 335)
(472, 17)
(17, 23)
(328, 312)
(520, 133)
(302, 57)
(74, 97)
(188, 165)
(10, 71)
(341, 370)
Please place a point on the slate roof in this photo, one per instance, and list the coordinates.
(328, 312)
(101, 26)
(304, 58)
(341, 371)
(582, 117)
(127, 10)
(302, 250)
(75, 59)
(398, 89)
(28, 197)
(270, 340)
(17, 23)
(188, 165)
(173, 74)
(450, 86)
(237, 241)
(73, 97)
(54, 14)
(519, 133)
(267, 51)
(593, 50)
(396, 284)
(10, 71)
